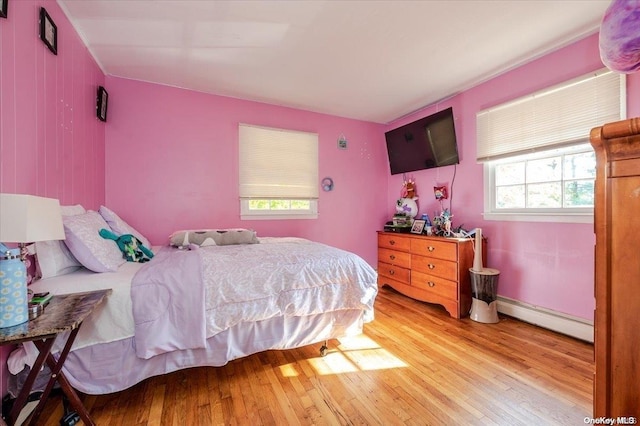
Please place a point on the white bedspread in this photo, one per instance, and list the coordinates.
(283, 276)
(213, 288)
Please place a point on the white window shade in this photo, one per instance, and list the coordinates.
(558, 116)
(276, 163)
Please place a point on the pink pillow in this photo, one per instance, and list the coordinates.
(86, 244)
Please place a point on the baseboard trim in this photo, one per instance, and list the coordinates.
(547, 318)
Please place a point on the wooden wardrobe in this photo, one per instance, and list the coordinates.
(617, 269)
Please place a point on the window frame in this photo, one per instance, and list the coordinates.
(246, 213)
(529, 214)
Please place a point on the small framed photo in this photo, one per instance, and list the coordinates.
(3, 8)
(102, 103)
(418, 226)
(48, 31)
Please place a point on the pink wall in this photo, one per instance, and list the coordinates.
(50, 142)
(172, 163)
(549, 265)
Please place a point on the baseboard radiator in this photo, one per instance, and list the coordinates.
(546, 318)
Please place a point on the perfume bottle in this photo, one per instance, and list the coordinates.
(427, 224)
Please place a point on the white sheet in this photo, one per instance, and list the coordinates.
(110, 321)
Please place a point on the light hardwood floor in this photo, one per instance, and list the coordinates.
(413, 365)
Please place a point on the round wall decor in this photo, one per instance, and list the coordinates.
(327, 184)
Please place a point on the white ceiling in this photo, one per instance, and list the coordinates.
(370, 60)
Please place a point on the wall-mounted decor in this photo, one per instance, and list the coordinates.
(101, 104)
(342, 142)
(48, 31)
(327, 184)
(3, 8)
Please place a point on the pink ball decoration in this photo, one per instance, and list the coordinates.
(620, 36)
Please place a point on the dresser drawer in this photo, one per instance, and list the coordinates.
(435, 285)
(438, 267)
(438, 249)
(395, 272)
(394, 242)
(394, 257)
(382, 281)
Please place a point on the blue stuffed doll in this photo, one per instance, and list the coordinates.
(131, 247)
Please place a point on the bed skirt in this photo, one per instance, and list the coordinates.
(112, 367)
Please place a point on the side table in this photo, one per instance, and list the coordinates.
(65, 313)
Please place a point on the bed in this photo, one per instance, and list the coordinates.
(234, 300)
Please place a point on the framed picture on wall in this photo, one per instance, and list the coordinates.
(48, 31)
(102, 103)
(3, 8)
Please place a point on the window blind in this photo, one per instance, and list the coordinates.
(558, 116)
(277, 163)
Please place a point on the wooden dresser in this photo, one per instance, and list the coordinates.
(617, 273)
(430, 269)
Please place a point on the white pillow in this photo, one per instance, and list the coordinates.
(53, 258)
(120, 227)
(72, 210)
(84, 241)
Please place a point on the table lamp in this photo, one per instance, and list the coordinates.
(23, 219)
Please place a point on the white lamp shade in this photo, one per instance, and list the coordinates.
(27, 218)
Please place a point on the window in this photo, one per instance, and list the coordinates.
(278, 173)
(539, 165)
(544, 184)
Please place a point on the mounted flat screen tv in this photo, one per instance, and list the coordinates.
(426, 143)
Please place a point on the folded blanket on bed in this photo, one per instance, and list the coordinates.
(167, 297)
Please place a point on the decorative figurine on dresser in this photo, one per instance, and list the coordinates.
(617, 272)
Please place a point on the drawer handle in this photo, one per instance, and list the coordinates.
(431, 284)
(431, 248)
(392, 242)
(392, 257)
(391, 272)
(431, 266)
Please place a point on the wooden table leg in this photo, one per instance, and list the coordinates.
(73, 397)
(58, 375)
(44, 346)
